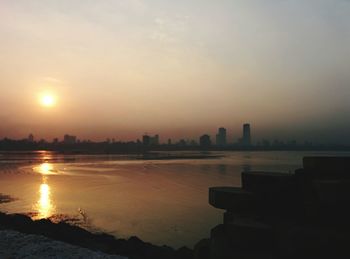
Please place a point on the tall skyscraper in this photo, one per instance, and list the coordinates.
(246, 140)
(221, 137)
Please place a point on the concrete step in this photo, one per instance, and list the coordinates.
(269, 182)
(249, 234)
(222, 247)
(324, 163)
(335, 192)
(231, 198)
(327, 167)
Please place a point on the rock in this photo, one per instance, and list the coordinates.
(14, 244)
(133, 248)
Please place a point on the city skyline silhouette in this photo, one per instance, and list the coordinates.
(122, 68)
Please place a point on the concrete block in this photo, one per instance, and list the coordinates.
(231, 198)
(335, 192)
(249, 234)
(269, 182)
(331, 167)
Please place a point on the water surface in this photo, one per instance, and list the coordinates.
(161, 201)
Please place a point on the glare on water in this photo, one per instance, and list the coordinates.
(44, 206)
(45, 168)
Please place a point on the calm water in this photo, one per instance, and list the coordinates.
(160, 201)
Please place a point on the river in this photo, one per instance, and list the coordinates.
(162, 201)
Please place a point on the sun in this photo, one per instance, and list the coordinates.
(47, 100)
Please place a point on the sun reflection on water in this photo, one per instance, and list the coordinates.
(45, 168)
(44, 206)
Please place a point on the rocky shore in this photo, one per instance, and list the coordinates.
(14, 244)
(132, 248)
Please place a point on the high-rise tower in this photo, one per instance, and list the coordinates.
(221, 137)
(246, 140)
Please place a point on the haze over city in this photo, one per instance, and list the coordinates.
(174, 129)
(118, 69)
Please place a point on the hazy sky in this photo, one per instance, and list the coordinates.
(119, 68)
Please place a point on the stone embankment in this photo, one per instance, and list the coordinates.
(276, 215)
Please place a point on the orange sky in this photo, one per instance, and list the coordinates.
(119, 69)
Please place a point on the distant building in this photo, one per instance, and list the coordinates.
(42, 141)
(68, 139)
(193, 143)
(246, 139)
(204, 141)
(169, 141)
(182, 143)
(155, 140)
(146, 140)
(149, 140)
(221, 137)
(30, 138)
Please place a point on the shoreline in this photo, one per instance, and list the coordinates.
(133, 247)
